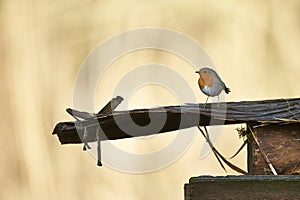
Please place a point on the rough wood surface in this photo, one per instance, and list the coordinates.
(281, 144)
(242, 187)
(178, 117)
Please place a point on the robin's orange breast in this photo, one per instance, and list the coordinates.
(205, 80)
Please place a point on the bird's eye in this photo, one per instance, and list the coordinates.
(204, 71)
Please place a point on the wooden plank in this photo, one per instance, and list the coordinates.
(281, 144)
(243, 187)
(179, 117)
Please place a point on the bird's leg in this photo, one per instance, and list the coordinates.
(206, 101)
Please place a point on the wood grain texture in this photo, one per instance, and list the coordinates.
(281, 143)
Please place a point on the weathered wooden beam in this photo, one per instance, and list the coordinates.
(178, 117)
(242, 187)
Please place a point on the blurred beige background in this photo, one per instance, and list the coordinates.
(254, 44)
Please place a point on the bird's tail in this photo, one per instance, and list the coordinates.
(227, 90)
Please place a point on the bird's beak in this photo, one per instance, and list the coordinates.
(196, 72)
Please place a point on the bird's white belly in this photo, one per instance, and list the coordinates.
(212, 91)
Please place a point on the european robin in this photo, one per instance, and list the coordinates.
(210, 83)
